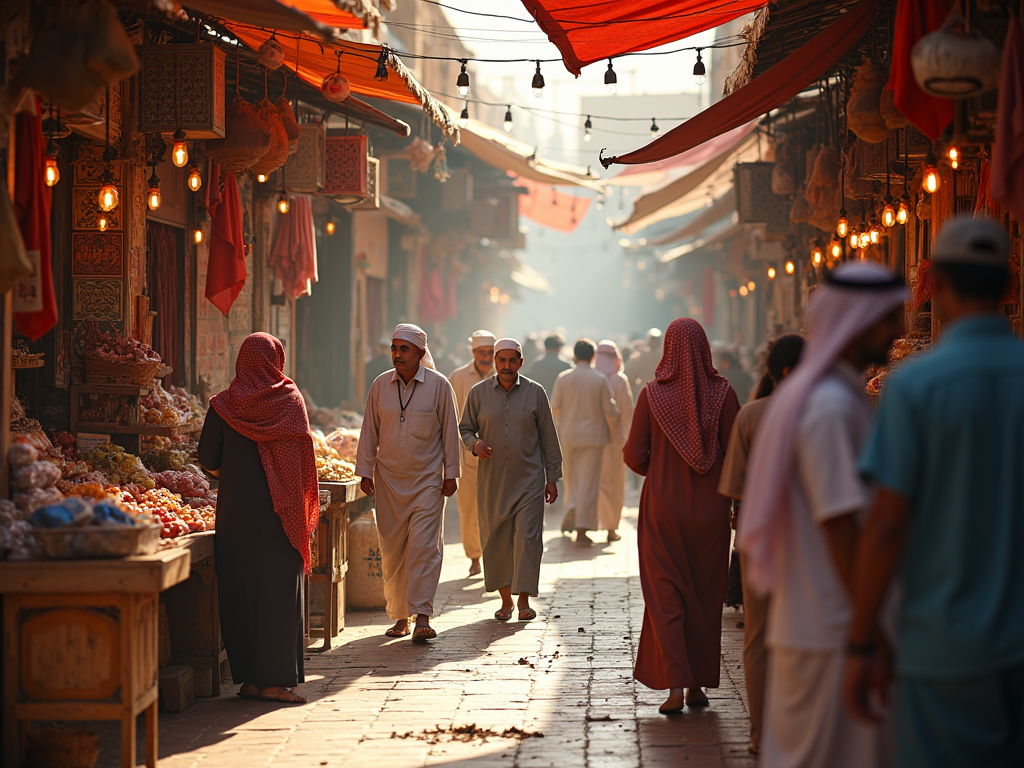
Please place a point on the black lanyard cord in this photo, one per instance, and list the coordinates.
(405, 405)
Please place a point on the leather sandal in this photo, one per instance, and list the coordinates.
(527, 615)
(422, 634)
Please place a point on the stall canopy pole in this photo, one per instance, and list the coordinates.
(6, 373)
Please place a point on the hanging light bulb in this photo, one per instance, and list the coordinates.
(108, 195)
(655, 130)
(462, 83)
(930, 181)
(816, 254)
(282, 203)
(953, 155)
(888, 212)
(153, 196)
(51, 173)
(330, 227)
(790, 267)
(507, 125)
(261, 178)
(854, 239)
(195, 180)
(197, 235)
(179, 152)
(875, 233)
(903, 212)
(587, 126)
(538, 83)
(843, 223)
(464, 115)
(743, 290)
(610, 80)
(102, 222)
(771, 273)
(699, 72)
(865, 239)
(835, 248)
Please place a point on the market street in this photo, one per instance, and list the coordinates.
(566, 675)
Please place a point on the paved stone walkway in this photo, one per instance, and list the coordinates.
(567, 675)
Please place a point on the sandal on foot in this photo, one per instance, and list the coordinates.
(503, 615)
(528, 615)
(395, 632)
(248, 691)
(282, 695)
(422, 634)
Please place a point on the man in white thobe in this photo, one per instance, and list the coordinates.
(463, 379)
(804, 504)
(408, 457)
(507, 423)
(613, 469)
(586, 417)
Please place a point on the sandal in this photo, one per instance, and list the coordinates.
(395, 632)
(503, 615)
(282, 695)
(528, 615)
(248, 691)
(422, 634)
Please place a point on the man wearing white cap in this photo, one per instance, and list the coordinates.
(408, 457)
(804, 502)
(947, 454)
(463, 379)
(507, 423)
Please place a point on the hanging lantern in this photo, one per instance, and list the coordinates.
(888, 212)
(771, 273)
(336, 87)
(153, 196)
(197, 235)
(930, 181)
(854, 239)
(261, 178)
(790, 267)
(51, 173)
(346, 178)
(835, 249)
(903, 212)
(816, 253)
(179, 152)
(108, 196)
(181, 87)
(271, 54)
(954, 64)
(282, 203)
(874, 234)
(330, 227)
(843, 224)
(865, 239)
(195, 180)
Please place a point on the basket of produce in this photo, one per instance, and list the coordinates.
(76, 529)
(111, 358)
(62, 748)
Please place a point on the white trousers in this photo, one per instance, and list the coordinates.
(582, 469)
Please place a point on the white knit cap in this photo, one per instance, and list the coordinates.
(508, 344)
(411, 333)
(481, 339)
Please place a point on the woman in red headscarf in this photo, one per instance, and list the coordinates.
(256, 440)
(680, 430)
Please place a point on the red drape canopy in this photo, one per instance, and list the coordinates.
(547, 206)
(585, 32)
(762, 94)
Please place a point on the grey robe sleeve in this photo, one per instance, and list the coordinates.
(469, 427)
(548, 439)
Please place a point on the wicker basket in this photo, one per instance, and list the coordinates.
(99, 371)
(96, 541)
(60, 748)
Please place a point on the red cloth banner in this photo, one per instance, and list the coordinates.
(914, 20)
(293, 253)
(1007, 180)
(225, 272)
(762, 94)
(585, 32)
(548, 207)
(32, 202)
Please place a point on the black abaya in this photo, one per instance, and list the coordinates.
(259, 572)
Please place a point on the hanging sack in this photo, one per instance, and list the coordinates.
(291, 126)
(14, 262)
(823, 189)
(246, 139)
(278, 151)
(783, 177)
(863, 116)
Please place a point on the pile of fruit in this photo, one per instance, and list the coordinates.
(176, 517)
(114, 347)
(161, 407)
(119, 467)
(329, 469)
(194, 490)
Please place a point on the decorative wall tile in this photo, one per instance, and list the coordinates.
(85, 210)
(97, 300)
(97, 254)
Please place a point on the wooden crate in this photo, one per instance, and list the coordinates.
(181, 86)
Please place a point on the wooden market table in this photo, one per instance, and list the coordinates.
(81, 643)
(330, 554)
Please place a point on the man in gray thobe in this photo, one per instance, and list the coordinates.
(507, 423)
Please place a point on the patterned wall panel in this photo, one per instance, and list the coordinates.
(98, 300)
(97, 254)
(85, 210)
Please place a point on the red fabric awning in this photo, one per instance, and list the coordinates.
(762, 94)
(547, 206)
(585, 32)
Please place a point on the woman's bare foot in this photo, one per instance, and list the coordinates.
(474, 567)
(695, 697)
(674, 702)
(401, 629)
(281, 694)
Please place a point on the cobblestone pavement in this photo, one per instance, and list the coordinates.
(567, 675)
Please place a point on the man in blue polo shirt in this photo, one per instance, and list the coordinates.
(947, 455)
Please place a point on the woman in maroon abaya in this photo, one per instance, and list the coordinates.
(256, 440)
(680, 430)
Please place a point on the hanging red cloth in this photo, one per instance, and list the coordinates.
(547, 206)
(293, 253)
(914, 20)
(225, 273)
(1007, 181)
(32, 203)
(585, 32)
(264, 405)
(762, 94)
(433, 298)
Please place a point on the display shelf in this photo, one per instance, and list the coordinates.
(148, 430)
(108, 389)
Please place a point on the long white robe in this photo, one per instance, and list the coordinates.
(409, 458)
(462, 380)
(613, 468)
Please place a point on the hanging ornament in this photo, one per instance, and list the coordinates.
(336, 87)
(271, 54)
(51, 173)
